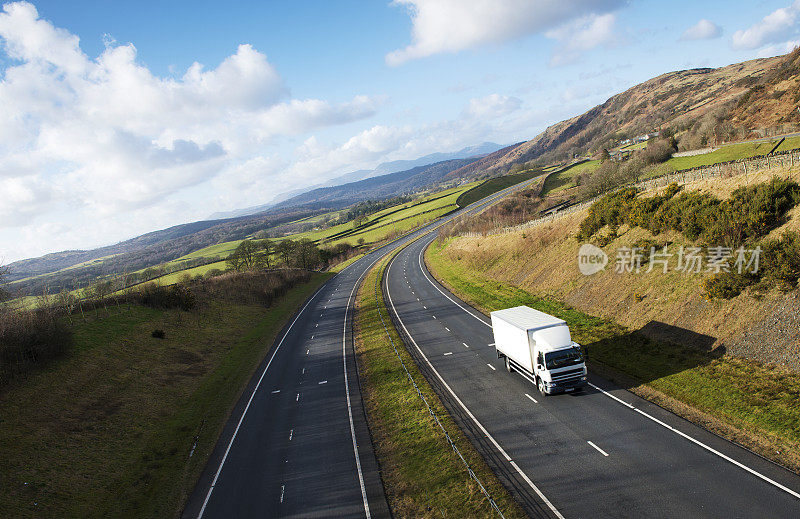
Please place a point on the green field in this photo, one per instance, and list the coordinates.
(732, 152)
(379, 226)
(493, 185)
(566, 178)
(108, 430)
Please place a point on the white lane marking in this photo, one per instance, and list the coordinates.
(316, 325)
(250, 401)
(449, 353)
(276, 391)
(491, 344)
(291, 433)
(446, 328)
(307, 351)
(417, 299)
(601, 451)
(466, 410)
(701, 444)
(434, 317)
(445, 295)
(531, 398)
(493, 368)
(304, 371)
(425, 307)
(297, 398)
(323, 382)
(347, 390)
(312, 336)
(465, 344)
(282, 488)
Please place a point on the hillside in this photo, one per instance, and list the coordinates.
(723, 104)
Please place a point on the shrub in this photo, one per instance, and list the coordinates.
(29, 338)
(781, 262)
(174, 296)
(726, 285)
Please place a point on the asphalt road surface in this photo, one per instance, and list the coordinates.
(297, 443)
(600, 453)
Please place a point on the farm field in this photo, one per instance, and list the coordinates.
(565, 179)
(732, 152)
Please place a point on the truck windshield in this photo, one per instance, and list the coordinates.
(563, 358)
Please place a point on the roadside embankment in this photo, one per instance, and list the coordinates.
(729, 365)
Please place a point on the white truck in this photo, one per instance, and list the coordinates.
(539, 347)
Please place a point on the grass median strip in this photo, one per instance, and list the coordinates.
(745, 401)
(422, 475)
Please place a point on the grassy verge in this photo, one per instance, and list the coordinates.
(422, 475)
(493, 185)
(108, 430)
(346, 263)
(751, 403)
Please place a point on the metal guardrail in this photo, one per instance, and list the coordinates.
(433, 414)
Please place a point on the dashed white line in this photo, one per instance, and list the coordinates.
(491, 344)
(446, 328)
(323, 382)
(282, 488)
(493, 368)
(434, 317)
(601, 451)
(531, 398)
(465, 344)
(297, 398)
(250, 401)
(449, 353)
(307, 351)
(469, 413)
(291, 433)
(276, 391)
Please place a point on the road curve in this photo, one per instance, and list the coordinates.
(601, 453)
(297, 443)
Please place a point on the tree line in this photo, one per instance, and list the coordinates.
(252, 255)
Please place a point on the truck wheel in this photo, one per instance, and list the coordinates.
(540, 385)
(508, 365)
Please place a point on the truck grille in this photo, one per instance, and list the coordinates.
(568, 375)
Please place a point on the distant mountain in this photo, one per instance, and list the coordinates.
(384, 168)
(375, 188)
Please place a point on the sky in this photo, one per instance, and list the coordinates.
(119, 118)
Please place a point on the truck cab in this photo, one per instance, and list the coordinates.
(539, 347)
(562, 369)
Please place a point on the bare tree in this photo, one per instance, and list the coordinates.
(3, 292)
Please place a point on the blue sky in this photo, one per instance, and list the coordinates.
(125, 117)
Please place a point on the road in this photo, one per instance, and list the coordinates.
(297, 443)
(600, 453)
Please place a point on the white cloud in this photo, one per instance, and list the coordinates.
(702, 30)
(776, 27)
(441, 26)
(581, 35)
(778, 49)
(83, 138)
(492, 106)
